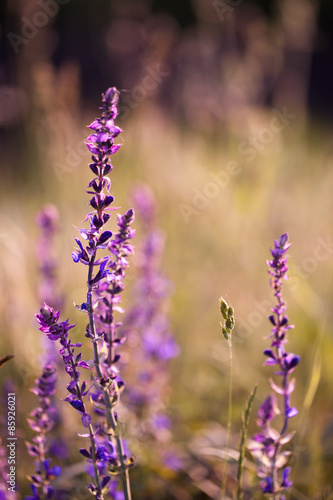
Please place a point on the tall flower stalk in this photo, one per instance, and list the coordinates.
(41, 421)
(102, 272)
(267, 445)
(148, 328)
(47, 220)
(107, 456)
(58, 331)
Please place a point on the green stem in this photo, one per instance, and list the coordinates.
(93, 450)
(90, 428)
(224, 475)
(246, 418)
(42, 468)
(110, 416)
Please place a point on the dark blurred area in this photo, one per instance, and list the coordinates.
(202, 62)
(109, 40)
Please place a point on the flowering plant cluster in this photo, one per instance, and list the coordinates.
(106, 380)
(41, 421)
(152, 342)
(99, 400)
(107, 453)
(268, 443)
(48, 221)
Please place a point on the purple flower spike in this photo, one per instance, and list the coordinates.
(105, 275)
(41, 421)
(267, 445)
(147, 326)
(267, 485)
(55, 330)
(104, 283)
(48, 221)
(286, 483)
(268, 411)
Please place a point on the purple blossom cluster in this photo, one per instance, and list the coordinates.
(41, 421)
(105, 284)
(107, 296)
(148, 329)
(97, 401)
(268, 443)
(152, 289)
(55, 330)
(48, 221)
(107, 455)
(101, 456)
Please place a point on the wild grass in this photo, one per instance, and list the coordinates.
(222, 249)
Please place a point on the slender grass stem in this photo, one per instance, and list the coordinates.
(246, 418)
(229, 422)
(229, 323)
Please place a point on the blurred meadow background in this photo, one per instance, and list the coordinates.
(227, 116)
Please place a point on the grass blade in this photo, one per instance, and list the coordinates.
(245, 420)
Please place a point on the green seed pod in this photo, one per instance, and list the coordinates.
(225, 333)
(229, 324)
(230, 311)
(224, 308)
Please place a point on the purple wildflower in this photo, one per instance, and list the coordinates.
(47, 219)
(267, 444)
(50, 326)
(55, 330)
(148, 328)
(104, 282)
(40, 420)
(110, 292)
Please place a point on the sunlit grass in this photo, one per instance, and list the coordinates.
(221, 249)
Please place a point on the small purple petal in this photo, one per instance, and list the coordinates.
(286, 483)
(78, 405)
(86, 420)
(85, 453)
(291, 412)
(83, 364)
